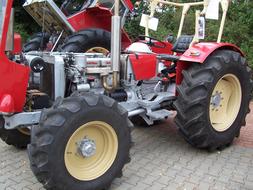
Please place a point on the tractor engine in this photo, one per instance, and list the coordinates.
(63, 74)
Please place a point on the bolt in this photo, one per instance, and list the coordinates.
(217, 110)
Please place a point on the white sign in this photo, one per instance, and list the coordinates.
(202, 28)
(213, 10)
(151, 22)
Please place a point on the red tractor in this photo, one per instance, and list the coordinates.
(79, 117)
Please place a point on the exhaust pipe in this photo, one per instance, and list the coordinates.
(115, 49)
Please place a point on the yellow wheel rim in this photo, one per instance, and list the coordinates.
(25, 131)
(103, 137)
(98, 50)
(225, 102)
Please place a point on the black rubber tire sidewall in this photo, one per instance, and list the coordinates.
(13, 137)
(84, 40)
(34, 43)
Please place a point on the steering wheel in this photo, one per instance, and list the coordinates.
(152, 41)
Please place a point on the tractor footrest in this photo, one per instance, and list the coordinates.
(159, 114)
(167, 57)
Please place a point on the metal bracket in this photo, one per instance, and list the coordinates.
(22, 119)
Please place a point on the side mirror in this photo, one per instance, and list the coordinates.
(10, 34)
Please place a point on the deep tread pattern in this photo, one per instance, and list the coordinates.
(86, 39)
(56, 122)
(13, 137)
(37, 42)
(194, 95)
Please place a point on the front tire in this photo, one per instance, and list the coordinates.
(19, 138)
(85, 139)
(213, 100)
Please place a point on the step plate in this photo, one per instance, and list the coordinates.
(160, 114)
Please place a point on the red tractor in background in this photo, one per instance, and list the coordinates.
(73, 16)
(79, 117)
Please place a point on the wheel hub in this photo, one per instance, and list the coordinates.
(86, 147)
(216, 100)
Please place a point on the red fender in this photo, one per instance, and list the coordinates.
(198, 53)
(13, 77)
(96, 17)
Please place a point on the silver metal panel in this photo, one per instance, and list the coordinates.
(19, 119)
(47, 13)
(160, 114)
(10, 34)
(59, 77)
(98, 70)
(115, 43)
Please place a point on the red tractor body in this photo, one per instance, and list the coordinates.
(13, 76)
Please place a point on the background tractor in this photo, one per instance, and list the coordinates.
(74, 17)
(79, 115)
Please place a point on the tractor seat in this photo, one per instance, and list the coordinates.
(180, 46)
(182, 43)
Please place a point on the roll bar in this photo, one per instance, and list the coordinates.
(186, 7)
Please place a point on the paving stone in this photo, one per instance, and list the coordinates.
(141, 186)
(248, 185)
(161, 160)
(203, 185)
(149, 180)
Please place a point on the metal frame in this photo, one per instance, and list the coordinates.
(22, 119)
(186, 7)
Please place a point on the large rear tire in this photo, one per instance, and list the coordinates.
(90, 40)
(213, 100)
(85, 139)
(37, 42)
(19, 138)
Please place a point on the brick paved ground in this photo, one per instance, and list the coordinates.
(161, 160)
